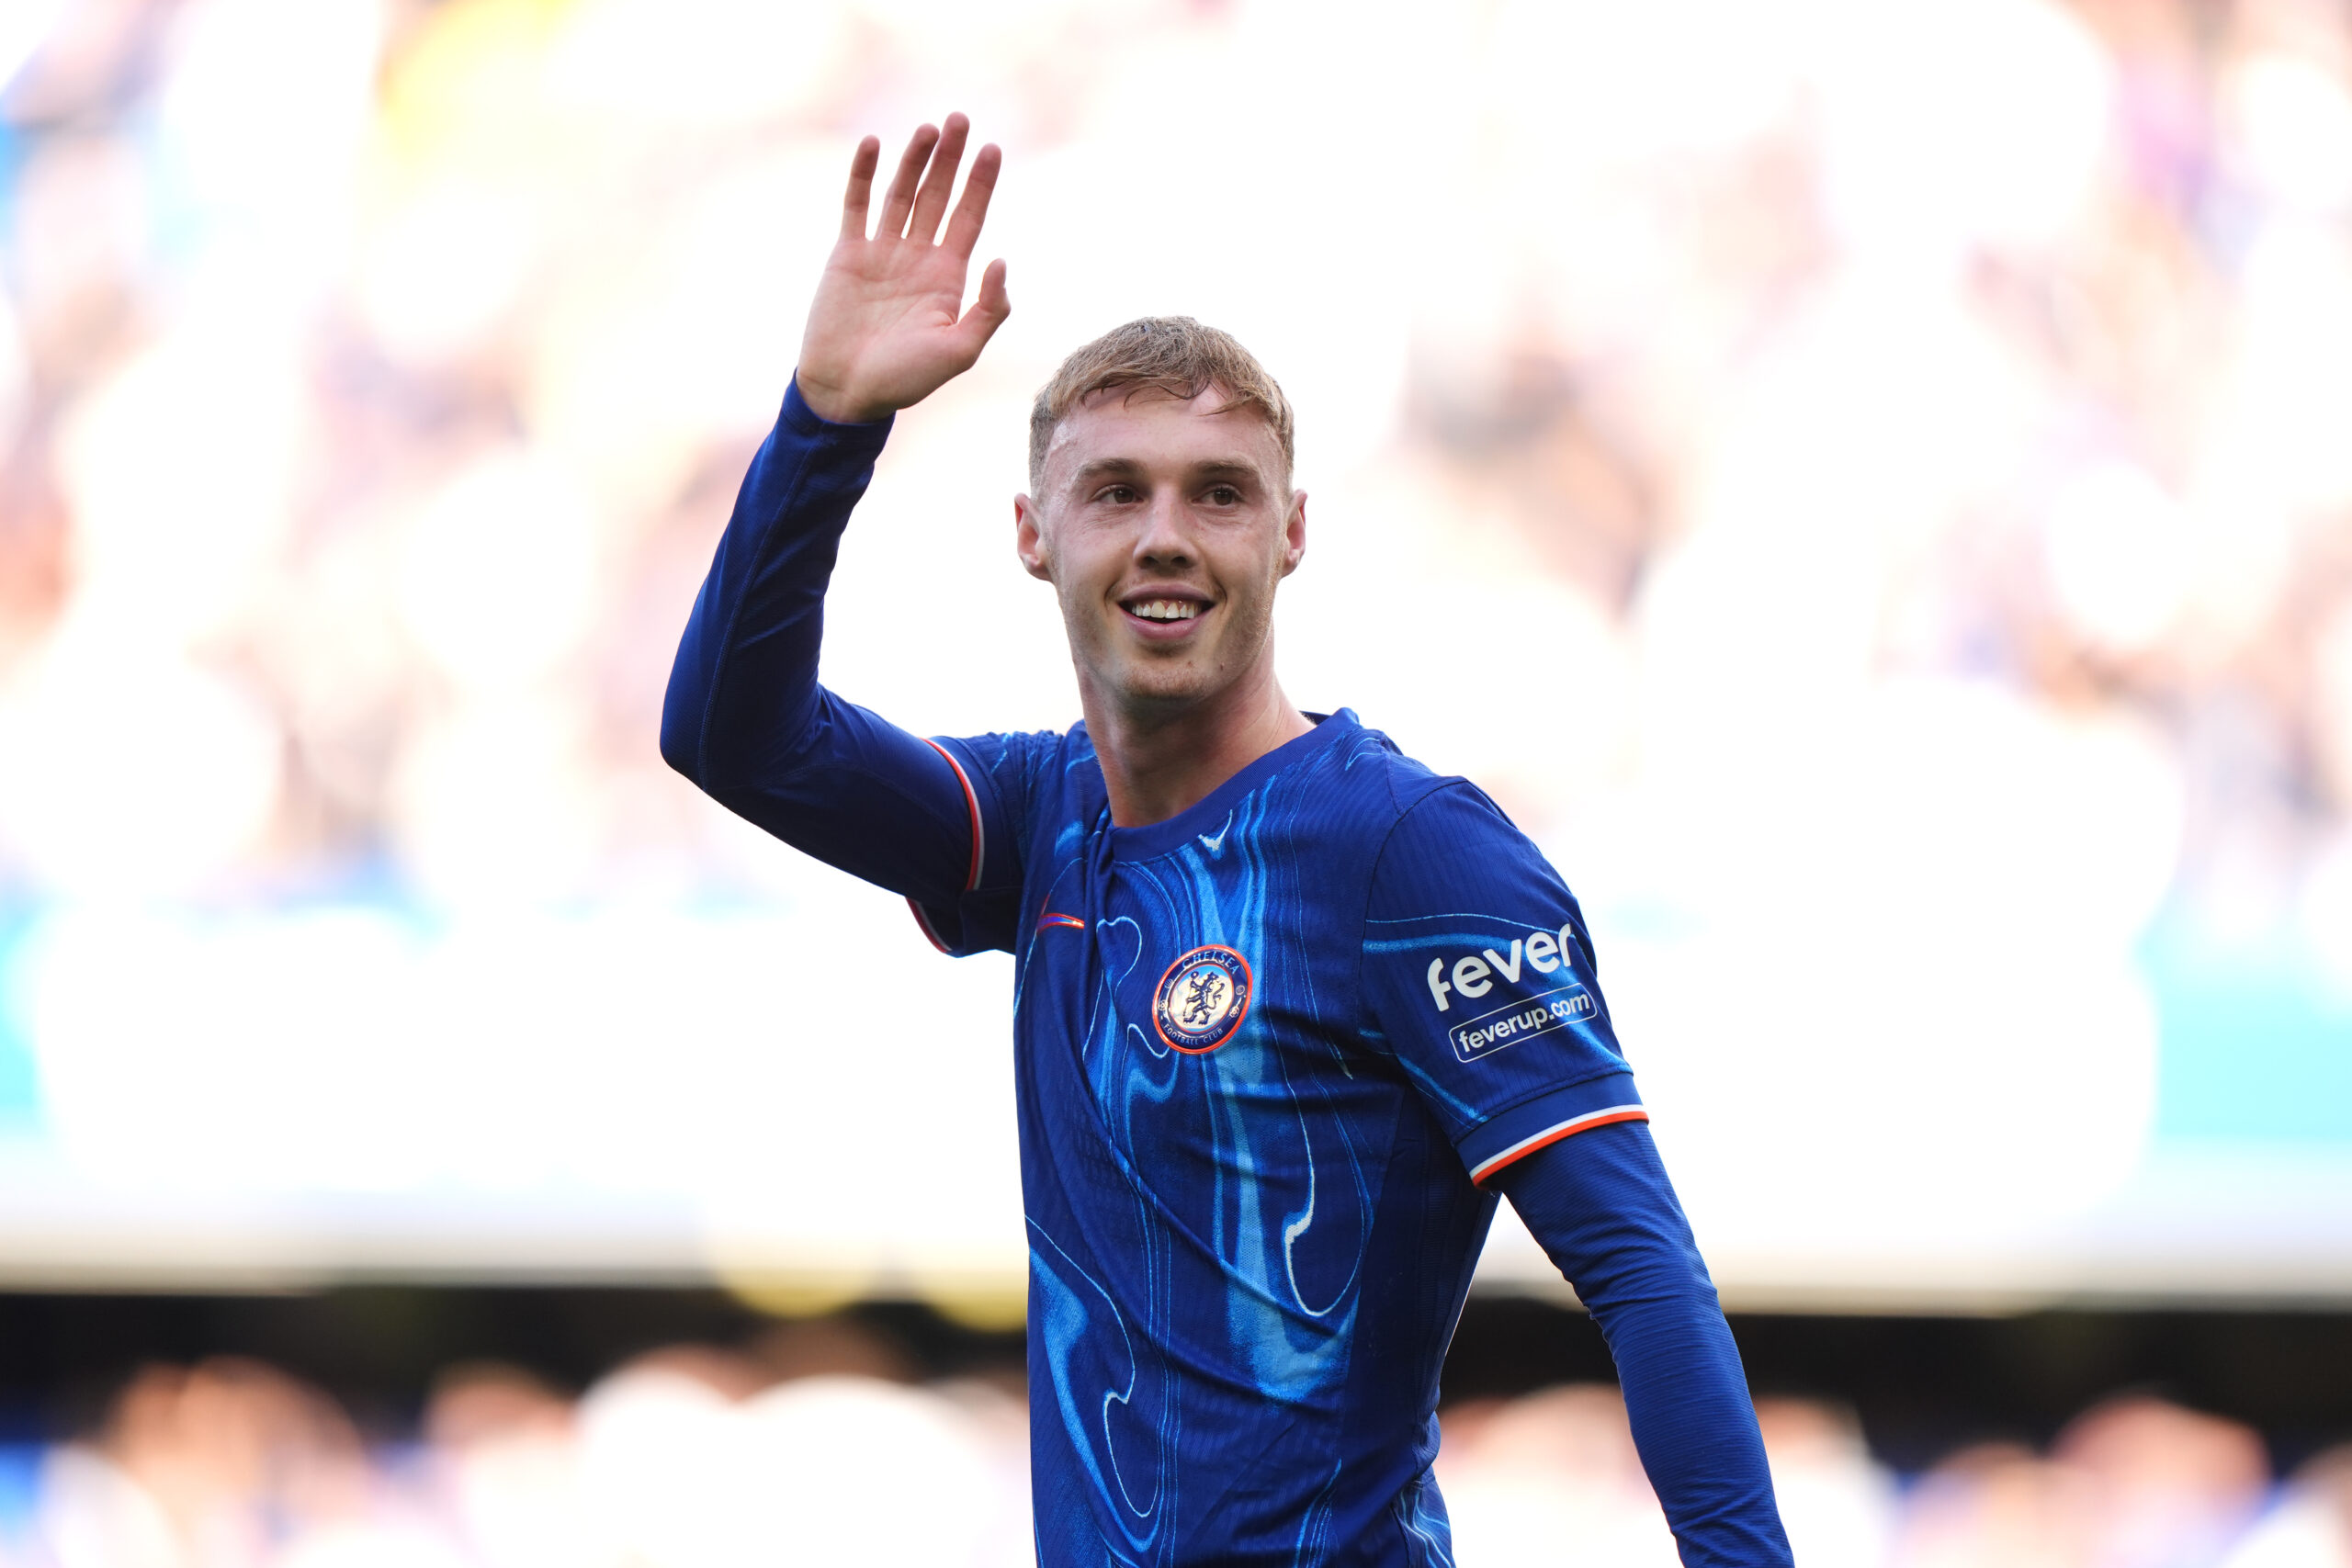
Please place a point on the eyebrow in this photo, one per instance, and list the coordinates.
(1214, 468)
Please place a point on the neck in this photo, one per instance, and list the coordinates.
(1158, 760)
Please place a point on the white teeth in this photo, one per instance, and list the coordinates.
(1166, 610)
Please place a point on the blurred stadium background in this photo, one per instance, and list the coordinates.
(1867, 484)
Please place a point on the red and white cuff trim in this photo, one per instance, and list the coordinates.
(1553, 1134)
(979, 846)
(972, 808)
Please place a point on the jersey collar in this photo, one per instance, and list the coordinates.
(1205, 814)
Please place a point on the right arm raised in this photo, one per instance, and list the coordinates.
(744, 717)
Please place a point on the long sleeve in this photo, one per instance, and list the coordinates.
(745, 719)
(1601, 1205)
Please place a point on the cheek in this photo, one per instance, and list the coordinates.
(1088, 560)
(1252, 567)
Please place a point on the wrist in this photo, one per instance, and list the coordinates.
(834, 407)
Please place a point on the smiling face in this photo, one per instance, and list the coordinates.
(1164, 525)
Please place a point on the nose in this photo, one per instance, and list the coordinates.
(1164, 541)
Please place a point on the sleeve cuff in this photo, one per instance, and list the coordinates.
(806, 421)
(1513, 1134)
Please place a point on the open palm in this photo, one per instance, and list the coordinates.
(888, 326)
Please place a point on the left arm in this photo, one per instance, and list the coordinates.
(1480, 976)
(1601, 1205)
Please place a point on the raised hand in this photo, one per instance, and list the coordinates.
(888, 326)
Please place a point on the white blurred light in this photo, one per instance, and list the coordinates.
(2331, 676)
(1552, 1467)
(1616, 81)
(1486, 668)
(823, 1469)
(2121, 556)
(2327, 911)
(16, 373)
(495, 804)
(264, 109)
(647, 353)
(2306, 1531)
(1837, 1504)
(520, 1500)
(658, 1459)
(180, 470)
(24, 25)
(1868, 423)
(959, 31)
(92, 1514)
(1947, 121)
(443, 273)
(857, 1453)
(246, 71)
(497, 578)
(2292, 119)
(259, 1052)
(2272, 454)
(132, 772)
(643, 1054)
(371, 1544)
(2275, 442)
(1871, 920)
(694, 60)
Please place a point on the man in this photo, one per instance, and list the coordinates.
(1289, 1008)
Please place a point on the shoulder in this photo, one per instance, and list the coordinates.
(1416, 839)
(1444, 838)
(1027, 757)
(1452, 814)
(1364, 781)
(1400, 797)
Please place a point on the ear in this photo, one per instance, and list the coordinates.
(1029, 539)
(1295, 532)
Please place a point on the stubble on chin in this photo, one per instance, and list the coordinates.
(1143, 682)
(1141, 679)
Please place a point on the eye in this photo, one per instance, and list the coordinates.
(1116, 494)
(1222, 495)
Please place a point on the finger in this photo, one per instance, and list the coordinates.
(902, 199)
(932, 201)
(861, 187)
(964, 228)
(988, 312)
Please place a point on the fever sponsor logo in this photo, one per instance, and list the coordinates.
(1491, 1032)
(1202, 999)
(1473, 974)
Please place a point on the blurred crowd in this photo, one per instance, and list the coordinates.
(374, 374)
(813, 1446)
(816, 1445)
(1870, 475)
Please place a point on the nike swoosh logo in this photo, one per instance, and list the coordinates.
(1216, 846)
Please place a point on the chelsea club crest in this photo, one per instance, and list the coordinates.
(1202, 999)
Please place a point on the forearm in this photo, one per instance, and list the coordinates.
(744, 717)
(1601, 1206)
(742, 691)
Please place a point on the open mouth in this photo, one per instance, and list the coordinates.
(1162, 609)
(1164, 615)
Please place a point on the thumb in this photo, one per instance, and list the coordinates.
(989, 308)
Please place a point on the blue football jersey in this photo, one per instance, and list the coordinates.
(1265, 1049)
(1268, 1051)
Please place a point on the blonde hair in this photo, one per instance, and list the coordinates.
(1174, 355)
